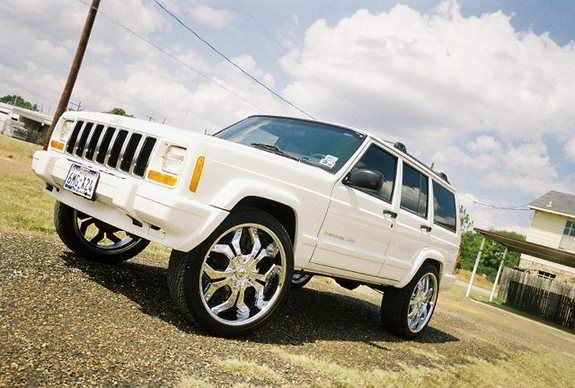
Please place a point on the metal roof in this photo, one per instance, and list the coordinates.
(532, 249)
(556, 202)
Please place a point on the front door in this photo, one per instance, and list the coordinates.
(359, 222)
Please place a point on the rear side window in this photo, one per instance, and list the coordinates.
(414, 191)
(378, 160)
(444, 207)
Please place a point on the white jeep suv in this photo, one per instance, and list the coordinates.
(255, 210)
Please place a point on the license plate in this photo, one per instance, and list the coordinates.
(82, 181)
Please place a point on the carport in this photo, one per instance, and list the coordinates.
(532, 249)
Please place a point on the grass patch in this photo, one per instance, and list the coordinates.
(530, 369)
(248, 369)
(24, 207)
(480, 279)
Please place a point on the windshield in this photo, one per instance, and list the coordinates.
(325, 146)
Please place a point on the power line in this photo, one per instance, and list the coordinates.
(485, 204)
(227, 59)
(150, 43)
(257, 22)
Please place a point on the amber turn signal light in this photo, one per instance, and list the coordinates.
(160, 177)
(57, 145)
(197, 174)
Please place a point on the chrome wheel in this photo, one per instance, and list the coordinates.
(243, 274)
(422, 302)
(102, 236)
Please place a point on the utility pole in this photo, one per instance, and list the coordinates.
(74, 69)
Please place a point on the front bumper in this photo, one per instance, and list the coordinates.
(153, 212)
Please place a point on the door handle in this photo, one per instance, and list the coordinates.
(390, 213)
(426, 228)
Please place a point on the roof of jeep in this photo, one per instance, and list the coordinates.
(389, 143)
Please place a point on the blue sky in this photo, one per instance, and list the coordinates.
(481, 88)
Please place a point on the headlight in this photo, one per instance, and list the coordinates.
(66, 130)
(174, 160)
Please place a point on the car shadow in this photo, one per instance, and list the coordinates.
(309, 315)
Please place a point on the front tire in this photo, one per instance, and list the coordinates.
(94, 240)
(237, 278)
(406, 311)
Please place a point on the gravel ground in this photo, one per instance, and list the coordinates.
(64, 321)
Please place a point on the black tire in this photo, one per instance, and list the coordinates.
(300, 279)
(395, 306)
(191, 287)
(66, 221)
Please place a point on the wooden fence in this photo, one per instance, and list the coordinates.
(551, 300)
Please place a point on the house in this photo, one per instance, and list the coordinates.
(553, 225)
(23, 124)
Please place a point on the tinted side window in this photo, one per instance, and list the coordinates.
(380, 161)
(444, 207)
(414, 191)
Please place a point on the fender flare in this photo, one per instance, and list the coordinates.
(426, 253)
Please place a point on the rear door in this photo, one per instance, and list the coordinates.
(359, 222)
(445, 236)
(412, 225)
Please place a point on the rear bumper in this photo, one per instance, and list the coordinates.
(153, 212)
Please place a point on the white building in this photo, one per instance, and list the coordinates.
(553, 225)
(23, 123)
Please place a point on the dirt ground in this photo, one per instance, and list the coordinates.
(64, 321)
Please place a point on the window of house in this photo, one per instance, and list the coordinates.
(546, 275)
(569, 229)
(414, 191)
(445, 213)
(378, 160)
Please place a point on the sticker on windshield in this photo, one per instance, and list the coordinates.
(328, 161)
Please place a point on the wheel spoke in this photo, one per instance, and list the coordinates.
(223, 249)
(85, 225)
(259, 297)
(421, 315)
(215, 274)
(274, 269)
(272, 250)
(112, 237)
(428, 294)
(412, 313)
(256, 244)
(243, 309)
(227, 304)
(236, 241)
(98, 237)
(213, 287)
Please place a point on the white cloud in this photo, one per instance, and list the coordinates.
(213, 17)
(570, 149)
(407, 69)
(484, 144)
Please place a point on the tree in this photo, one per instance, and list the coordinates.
(19, 102)
(119, 112)
(492, 253)
(465, 219)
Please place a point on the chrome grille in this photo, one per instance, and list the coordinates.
(116, 148)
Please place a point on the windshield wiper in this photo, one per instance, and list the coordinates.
(273, 149)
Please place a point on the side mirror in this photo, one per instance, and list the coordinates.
(365, 179)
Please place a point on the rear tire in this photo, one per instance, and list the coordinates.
(237, 278)
(406, 311)
(93, 239)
